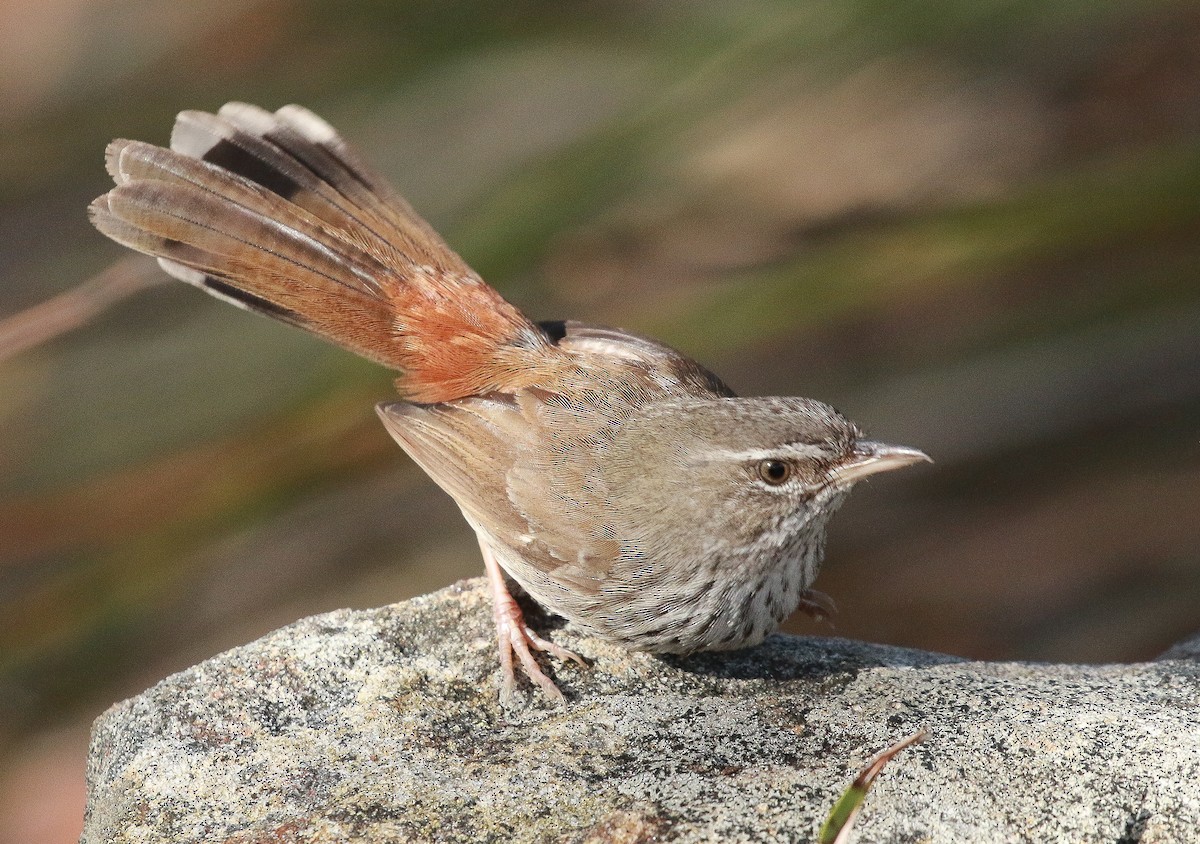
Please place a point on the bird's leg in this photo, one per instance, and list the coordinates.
(816, 605)
(514, 636)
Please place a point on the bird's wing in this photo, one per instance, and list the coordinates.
(529, 466)
(534, 492)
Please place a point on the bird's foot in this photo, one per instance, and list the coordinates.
(816, 605)
(515, 637)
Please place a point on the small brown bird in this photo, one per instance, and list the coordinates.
(620, 483)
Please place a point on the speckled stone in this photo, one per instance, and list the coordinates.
(383, 726)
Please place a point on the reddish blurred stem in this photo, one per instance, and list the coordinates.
(77, 306)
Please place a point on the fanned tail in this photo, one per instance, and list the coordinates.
(274, 213)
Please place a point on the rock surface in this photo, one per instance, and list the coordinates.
(383, 725)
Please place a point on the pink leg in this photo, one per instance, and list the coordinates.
(816, 605)
(514, 636)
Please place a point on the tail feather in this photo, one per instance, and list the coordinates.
(273, 212)
(316, 144)
(132, 161)
(284, 272)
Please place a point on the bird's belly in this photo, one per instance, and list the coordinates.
(717, 607)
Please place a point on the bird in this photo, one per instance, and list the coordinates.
(617, 482)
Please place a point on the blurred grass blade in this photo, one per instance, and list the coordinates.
(76, 307)
(836, 829)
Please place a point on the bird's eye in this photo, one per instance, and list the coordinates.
(775, 472)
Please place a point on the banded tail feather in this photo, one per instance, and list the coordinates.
(275, 213)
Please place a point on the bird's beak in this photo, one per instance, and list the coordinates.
(868, 458)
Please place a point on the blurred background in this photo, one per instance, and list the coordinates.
(972, 225)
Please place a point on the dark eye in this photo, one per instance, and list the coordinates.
(775, 472)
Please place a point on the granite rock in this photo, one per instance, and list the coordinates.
(383, 726)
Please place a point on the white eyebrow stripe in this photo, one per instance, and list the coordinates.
(797, 451)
